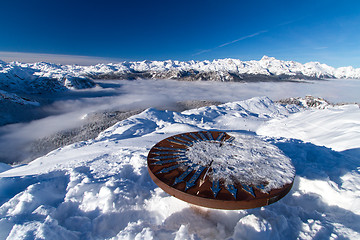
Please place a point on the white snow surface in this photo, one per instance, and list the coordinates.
(101, 189)
(247, 160)
(323, 127)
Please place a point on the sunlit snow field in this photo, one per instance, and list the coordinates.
(100, 188)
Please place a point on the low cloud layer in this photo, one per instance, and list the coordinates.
(69, 109)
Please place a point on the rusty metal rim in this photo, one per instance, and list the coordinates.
(219, 204)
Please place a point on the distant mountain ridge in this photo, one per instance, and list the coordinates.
(266, 69)
(47, 77)
(42, 77)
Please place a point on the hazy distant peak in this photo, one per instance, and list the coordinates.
(267, 58)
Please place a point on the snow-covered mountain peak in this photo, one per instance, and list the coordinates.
(268, 59)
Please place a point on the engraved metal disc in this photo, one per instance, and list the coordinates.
(173, 169)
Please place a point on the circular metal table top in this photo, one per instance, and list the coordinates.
(213, 169)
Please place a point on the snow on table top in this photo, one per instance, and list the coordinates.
(246, 160)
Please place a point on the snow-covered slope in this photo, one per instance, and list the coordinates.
(39, 77)
(14, 98)
(320, 127)
(13, 107)
(100, 189)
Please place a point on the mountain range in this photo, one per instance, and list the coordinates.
(43, 77)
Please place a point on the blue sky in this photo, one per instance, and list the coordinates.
(303, 31)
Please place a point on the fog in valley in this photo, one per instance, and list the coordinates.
(81, 114)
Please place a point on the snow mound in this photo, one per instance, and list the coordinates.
(101, 189)
(251, 227)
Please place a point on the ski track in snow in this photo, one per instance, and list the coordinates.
(100, 189)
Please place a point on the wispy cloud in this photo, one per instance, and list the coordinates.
(242, 38)
(202, 51)
(253, 35)
(231, 42)
(320, 48)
